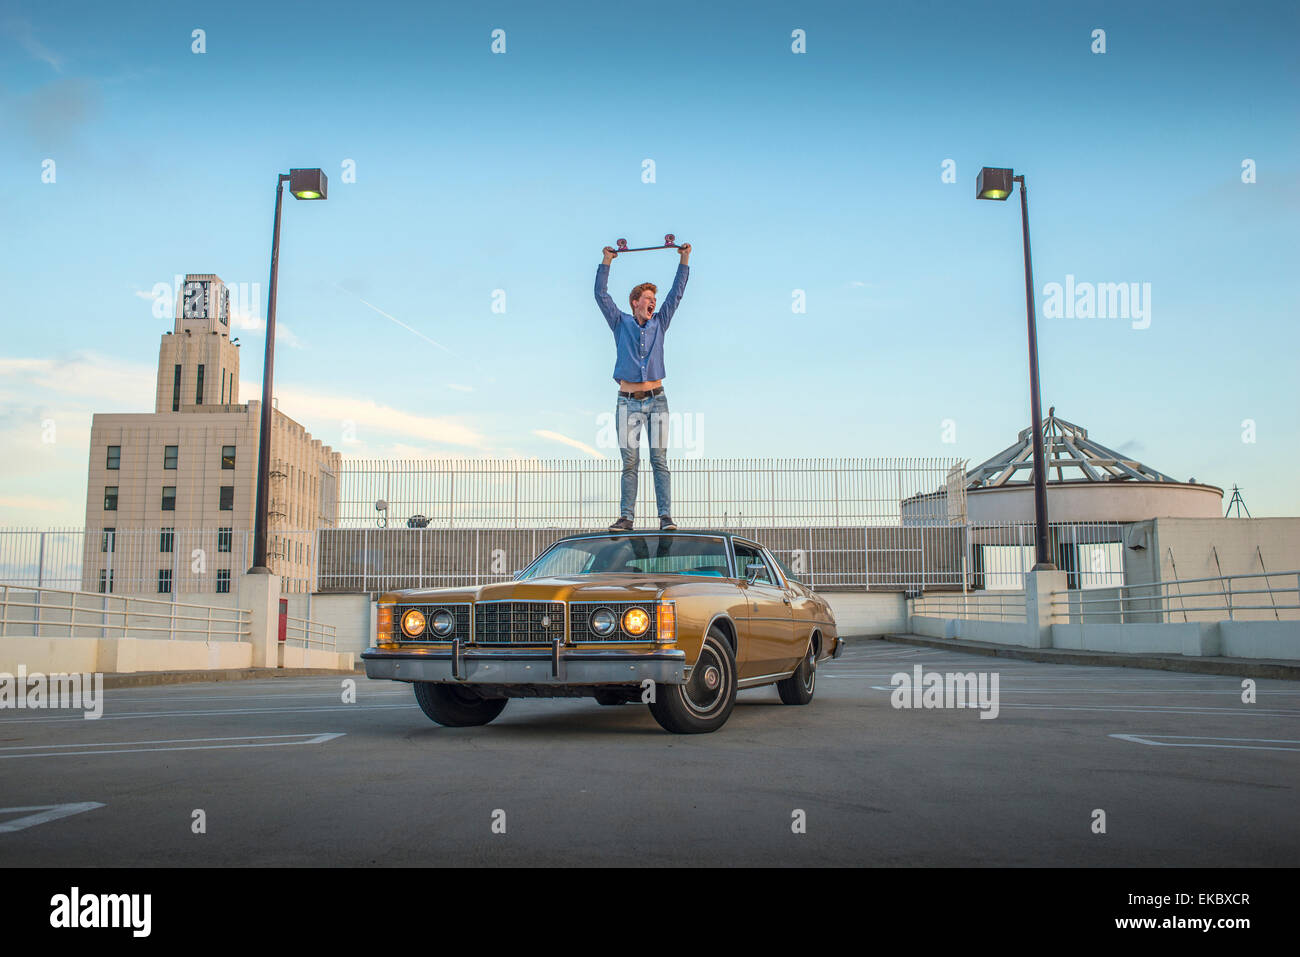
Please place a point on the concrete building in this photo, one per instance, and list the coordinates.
(170, 494)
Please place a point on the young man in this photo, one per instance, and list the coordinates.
(639, 372)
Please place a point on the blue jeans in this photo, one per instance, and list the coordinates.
(632, 416)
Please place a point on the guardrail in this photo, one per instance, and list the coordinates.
(309, 633)
(1166, 601)
(27, 612)
(998, 606)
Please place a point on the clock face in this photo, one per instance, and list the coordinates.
(196, 300)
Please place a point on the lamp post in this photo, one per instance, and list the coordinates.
(994, 183)
(303, 184)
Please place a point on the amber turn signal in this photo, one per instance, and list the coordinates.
(667, 622)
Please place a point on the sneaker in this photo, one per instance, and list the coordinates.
(666, 524)
(622, 525)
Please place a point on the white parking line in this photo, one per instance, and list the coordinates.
(182, 713)
(48, 812)
(190, 744)
(1180, 741)
(1245, 712)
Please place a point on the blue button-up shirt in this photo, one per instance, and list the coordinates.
(640, 348)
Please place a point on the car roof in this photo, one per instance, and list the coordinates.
(638, 532)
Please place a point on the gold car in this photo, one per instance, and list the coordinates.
(677, 620)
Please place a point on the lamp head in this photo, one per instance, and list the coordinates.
(994, 183)
(308, 184)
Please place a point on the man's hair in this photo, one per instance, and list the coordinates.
(637, 290)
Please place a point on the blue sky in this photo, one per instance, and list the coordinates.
(819, 172)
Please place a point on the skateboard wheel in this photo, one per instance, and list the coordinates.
(668, 240)
(622, 244)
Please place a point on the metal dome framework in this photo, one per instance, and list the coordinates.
(1066, 446)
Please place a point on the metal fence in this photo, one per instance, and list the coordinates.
(706, 493)
(63, 613)
(1257, 596)
(901, 557)
(154, 561)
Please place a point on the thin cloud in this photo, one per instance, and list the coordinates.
(572, 443)
(392, 318)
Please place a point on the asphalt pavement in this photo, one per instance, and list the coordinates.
(285, 772)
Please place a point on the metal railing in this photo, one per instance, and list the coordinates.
(996, 606)
(307, 633)
(153, 561)
(27, 612)
(706, 493)
(1215, 598)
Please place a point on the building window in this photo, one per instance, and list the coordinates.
(110, 498)
(223, 581)
(198, 389)
(176, 389)
(170, 454)
(105, 582)
(223, 539)
(227, 456)
(223, 386)
(165, 539)
(164, 581)
(227, 498)
(108, 543)
(169, 498)
(114, 457)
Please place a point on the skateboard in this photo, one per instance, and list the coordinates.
(670, 242)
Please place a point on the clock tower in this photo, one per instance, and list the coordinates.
(198, 365)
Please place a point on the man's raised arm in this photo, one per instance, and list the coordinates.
(607, 305)
(679, 286)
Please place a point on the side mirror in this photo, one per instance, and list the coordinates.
(752, 571)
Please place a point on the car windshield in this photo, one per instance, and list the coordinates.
(634, 555)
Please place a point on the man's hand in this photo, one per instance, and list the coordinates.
(684, 249)
(609, 253)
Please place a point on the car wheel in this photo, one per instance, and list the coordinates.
(799, 687)
(704, 703)
(456, 707)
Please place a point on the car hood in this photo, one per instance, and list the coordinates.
(602, 587)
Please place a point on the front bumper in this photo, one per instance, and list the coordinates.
(534, 666)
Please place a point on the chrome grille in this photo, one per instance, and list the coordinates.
(460, 610)
(580, 613)
(518, 622)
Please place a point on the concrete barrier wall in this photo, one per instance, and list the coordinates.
(50, 655)
(350, 614)
(868, 613)
(120, 655)
(1260, 639)
(1183, 638)
(295, 657)
(998, 632)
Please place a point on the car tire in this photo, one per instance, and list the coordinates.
(800, 686)
(455, 707)
(704, 703)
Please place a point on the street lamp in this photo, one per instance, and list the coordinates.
(303, 184)
(994, 183)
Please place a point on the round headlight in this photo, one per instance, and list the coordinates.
(413, 624)
(444, 622)
(636, 621)
(603, 622)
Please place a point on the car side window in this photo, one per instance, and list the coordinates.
(746, 556)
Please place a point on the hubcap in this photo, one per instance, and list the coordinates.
(810, 669)
(707, 689)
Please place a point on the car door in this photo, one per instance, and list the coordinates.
(805, 613)
(769, 634)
